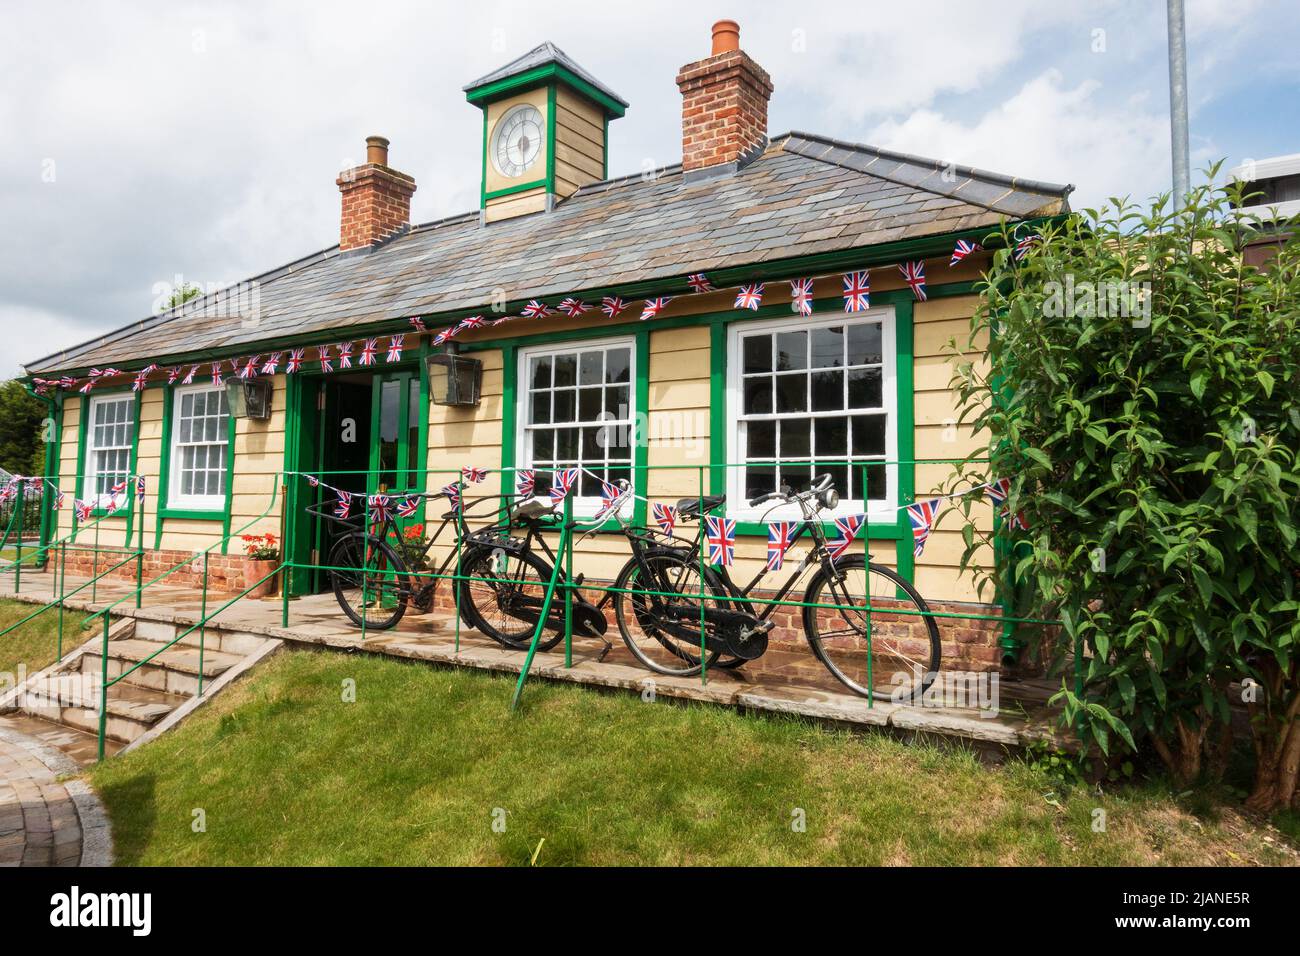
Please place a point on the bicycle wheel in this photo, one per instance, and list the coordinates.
(666, 643)
(888, 650)
(370, 581)
(505, 596)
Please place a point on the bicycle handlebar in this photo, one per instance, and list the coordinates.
(820, 484)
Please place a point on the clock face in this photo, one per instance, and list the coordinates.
(517, 140)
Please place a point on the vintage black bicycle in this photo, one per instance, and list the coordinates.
(867, 625)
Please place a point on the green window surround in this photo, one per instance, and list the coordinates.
(87, 401)
(166, 511)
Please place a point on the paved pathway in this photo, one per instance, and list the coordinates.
(46, 820)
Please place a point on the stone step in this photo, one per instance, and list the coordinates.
(132, 710)
(175, 670)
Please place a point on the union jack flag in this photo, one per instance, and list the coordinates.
(574, 307)
(395, 344)
(654, 306)
(999, 491)
(313, 481)
(780, 535)
(344, 506)
(535, 310)
(141, 377)
(67, 382)
(368, 351)
(922, 515)
(326, 363)
(914, 276)
(612, 306)
(749, 297)
(272, 363)
(563, 483)
(720, 535)
(699, 282)
(445, 334)
(665, 516)
(345, 355)
(7, 494)
(525, 481)
(408, 506)
(379, 507)
(452, 491)
(249, 370)
(857, 291)
(417, 323)
(189, 376)
(58, 499)
(295, 361)
(472, 322)
(802, 292)
(474, 475)
(82, 510)
(139, 487)
(961, 250)
(848, 528)
(216, 373)
(1025, 244)
(85, 389)
(112, 506)
(610, 495)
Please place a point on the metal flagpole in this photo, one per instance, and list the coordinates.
(1178, 102)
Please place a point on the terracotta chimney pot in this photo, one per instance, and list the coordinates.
(726, 36)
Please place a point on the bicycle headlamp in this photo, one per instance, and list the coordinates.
(828, 499)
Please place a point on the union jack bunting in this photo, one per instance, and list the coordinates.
(665, 516)
(345, 355)
(445, 334)
(609, 498)
(574, 307)
(67, 381)
(344, 506)
(408, 506)
(472, 322)
(1024, 245)
(295, 361)
(999, 491)
(58, 499)
(118, 488)
(395, 345)
(452, 491)
(313, 481)
(474, 475)
(780, 535)
(922, 515)
(326, 363)
(749, 297)
(563, 483)
(112, 506)
(85, 389)
(82, 510)
(189, 376)
(857, 291)
(141, 377)
(272, 363)
(914, 276)
(139, 487)
(368, 350)
(7, 494)
(848, 528)
(612, 306)
(379, 507)
(654, 306)
(504, 318)
(525, 481)
(699, 282)
(535, 310)
(417, 323)
(216, 373)
(720, 535)
(961, 250)
(249, 370)
(802, 292)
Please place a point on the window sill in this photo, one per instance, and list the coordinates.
(193, 514)
(871, 531)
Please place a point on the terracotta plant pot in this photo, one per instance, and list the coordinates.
(254, 570)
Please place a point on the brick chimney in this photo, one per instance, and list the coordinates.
(376, 200)
(724, 107)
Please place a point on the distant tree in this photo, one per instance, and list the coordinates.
(185, 292)
(21, 450)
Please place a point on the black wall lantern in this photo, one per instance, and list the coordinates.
(249, 397)
(454, 379)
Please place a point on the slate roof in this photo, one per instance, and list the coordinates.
(540, 56)
(803, 195)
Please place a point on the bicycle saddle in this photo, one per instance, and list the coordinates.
(687, 507)
(534, 508)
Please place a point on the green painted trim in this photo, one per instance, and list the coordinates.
(509, 418)
(550, 139)
(482, 186)
(604, 152)
(552, 72)
(82, 427)
(641, 412)
(520, 188)
(718, 406)
(163, 511)
(905, 403)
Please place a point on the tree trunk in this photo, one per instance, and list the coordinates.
(1277, 767)
(1183, 758)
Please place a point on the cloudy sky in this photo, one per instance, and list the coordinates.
(145, 141)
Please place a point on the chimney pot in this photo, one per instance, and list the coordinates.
(726, 36)
(377, 150)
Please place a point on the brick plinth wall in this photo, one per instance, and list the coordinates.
(376, 205)
(724, 109)
(225, 571)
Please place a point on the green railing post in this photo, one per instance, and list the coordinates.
(63, 587)
(103, 692)
(94, 566)
(139, 544)
(18, 542)
(541, 622)
(203, 619)
(704, 546)
(459, 573)
(567, 557)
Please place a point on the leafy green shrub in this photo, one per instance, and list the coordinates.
(1144, 394)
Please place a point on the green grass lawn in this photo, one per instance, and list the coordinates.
(286, 772)
(35, 644)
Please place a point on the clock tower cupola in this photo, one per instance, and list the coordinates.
(545, 132)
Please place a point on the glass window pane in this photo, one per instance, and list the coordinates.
(540, 376)
(866, 388)
(593, 448)
(541, 402)
(616, 402)
(828, 347)
(831, 438)
(865, 343)
(792, 393)
(868, 435)
(590, 368)
(791, 350)
(618, 365)
(566, 369)
(757, 396)
(565, 405)
(761, 439)
(589, 404)
(566, 444)
(759, 480)
(796, 439)
(757, 353)
(827, 391)
(543, 444)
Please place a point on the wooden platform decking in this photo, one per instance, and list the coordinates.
(788, 681)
